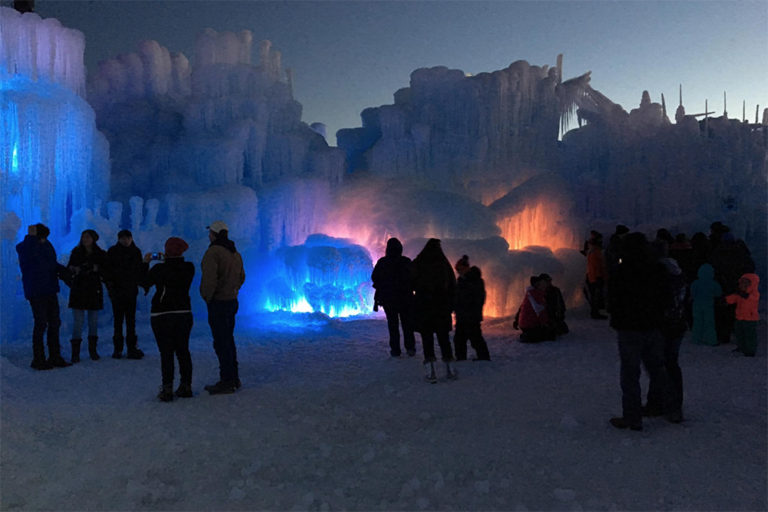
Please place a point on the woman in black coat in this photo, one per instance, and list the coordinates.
(392, 280)
(86, 263)
(172, 315)
(434, 286)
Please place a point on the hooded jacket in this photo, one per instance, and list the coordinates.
(39, 268)
(392, 277)
(434, 286)
(746, 307)
(470, 297)
(533, 310)
(705, 289)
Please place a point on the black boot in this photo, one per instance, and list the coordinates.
(166, 393)
(92, 341)
(54, 353)
(76, 350)
(184, 390)
(133, 350)
(117, 341)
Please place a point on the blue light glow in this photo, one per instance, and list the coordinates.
(324, 275)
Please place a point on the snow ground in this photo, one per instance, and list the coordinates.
(327, 421)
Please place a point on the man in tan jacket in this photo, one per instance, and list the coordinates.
(223, 275)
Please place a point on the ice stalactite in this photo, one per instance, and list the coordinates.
(53, 161)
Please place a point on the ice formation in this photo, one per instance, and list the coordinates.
(54, 161)
(477, 161)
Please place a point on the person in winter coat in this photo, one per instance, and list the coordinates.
(394, 292)
(731, 259)
(125, 273)
(636, 293)
(555, 306)
(171, 315)
(704, 292)
(746, 301)
(223, 275)
(532, 317)
(673, 326)
(87, 263)
(40, 274)
(434, 291)
(470, 298)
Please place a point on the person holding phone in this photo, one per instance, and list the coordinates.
(171, 314)
(40, 274)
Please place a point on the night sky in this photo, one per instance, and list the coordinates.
(347, 56)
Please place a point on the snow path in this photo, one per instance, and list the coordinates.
(327, 421)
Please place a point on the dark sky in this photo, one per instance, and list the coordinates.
(347, 56)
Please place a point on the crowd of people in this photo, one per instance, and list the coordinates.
(421, 296)
(123, 270)
(653, 292)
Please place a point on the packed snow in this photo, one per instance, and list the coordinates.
(327, 420)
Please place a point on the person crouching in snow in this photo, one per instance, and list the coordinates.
(470, 297)
(746, 300)
(171, 315)
(532, 316)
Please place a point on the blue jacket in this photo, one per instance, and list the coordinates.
(39, 268)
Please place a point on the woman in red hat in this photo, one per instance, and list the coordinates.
(171, 315)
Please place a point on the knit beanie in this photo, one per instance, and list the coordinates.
(123, 233)
(175, 247)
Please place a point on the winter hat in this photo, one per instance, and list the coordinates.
(124, 233)
(93, 234)
(463, 262)
(175, 247)
(217, 226)
(621, 229)
(42, 230)
(545, 277)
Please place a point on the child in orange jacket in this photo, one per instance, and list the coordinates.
(746, 300)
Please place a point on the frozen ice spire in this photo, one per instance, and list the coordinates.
(680, 112)
(646, 99)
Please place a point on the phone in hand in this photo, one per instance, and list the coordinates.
(158, 256)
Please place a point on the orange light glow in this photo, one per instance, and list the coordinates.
(540, 224)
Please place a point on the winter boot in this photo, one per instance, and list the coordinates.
(221, 388)
(429, 372)
(40, 364)
(184, 390)
(166, 393)
(58, 362)
(92, 341)
(117, 341)
(76, 350)
(450, 370)
(133, 350)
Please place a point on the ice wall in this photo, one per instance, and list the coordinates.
(53, 161)
(642, 171)
(470, 133)
(41, 49)
(220, 120)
